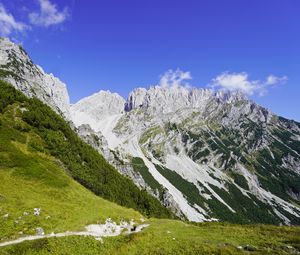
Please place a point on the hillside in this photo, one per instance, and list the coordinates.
(217, 155)
(198, 151)
(46, 168)
(173, 237)
(37, 144)
(33, 176)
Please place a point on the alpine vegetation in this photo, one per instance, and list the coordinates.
(207, 155)
(95, 176)
(204, 154)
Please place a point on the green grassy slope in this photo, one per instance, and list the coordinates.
(40, 156)
(33, 179)
(30, 122)
(174, 237)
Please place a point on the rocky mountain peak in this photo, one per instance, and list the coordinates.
(170, 99)
(96, 107)
(101, 103)
(17, 68)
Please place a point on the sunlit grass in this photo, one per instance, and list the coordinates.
(175, 237)
(32, 179)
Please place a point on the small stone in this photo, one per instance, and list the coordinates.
(37, 211)
(249, 248)
(25, 213)
(48, 217)
(40, 231)
(16, 222)
(173, 238)
(5, 215)
(239, 247)
(99, 239)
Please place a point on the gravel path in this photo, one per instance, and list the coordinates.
(96, 230)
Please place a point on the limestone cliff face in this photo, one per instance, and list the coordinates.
(17, 68)
(205, 150)
(207, 155)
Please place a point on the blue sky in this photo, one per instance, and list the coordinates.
(117, 45)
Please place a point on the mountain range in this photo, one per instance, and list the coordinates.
(205, 155)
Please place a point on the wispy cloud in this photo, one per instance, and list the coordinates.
(48, 14)
(175, 78)
(8, 24)
(241, 82)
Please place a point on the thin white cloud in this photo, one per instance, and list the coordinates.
(48, 14)
(274, 80)
(8, 24)
(241, 82)
(175, 78)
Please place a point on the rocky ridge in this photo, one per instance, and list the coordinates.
(197, 150)
(204, 141)
(17, 68)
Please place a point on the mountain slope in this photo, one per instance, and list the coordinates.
(41, 155)
(56, 139)
(216, 154)
(32, 178)
(196, 150)
(17, 68)
(173, 237)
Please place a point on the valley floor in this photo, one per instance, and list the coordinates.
(173, 237)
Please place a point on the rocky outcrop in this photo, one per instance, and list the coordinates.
(99, 142)
(194, 143)
(197, 150)
(17, 68)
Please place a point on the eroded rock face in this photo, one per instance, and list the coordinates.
(169, 202)
(292, 163)
(206, 149)
(99, 142)
(198, 151)
(17, 68)
(95, 108)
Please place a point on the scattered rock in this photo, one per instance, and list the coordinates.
(249, 248)
(98, 231)
(5, 215)
(125, 225)
(25, 213)
(99, 239)
(40, 231)
(239, 247)
(37, 211)
(47, 217)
